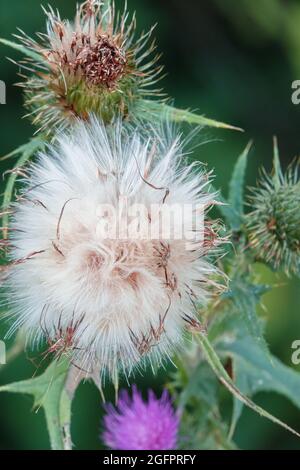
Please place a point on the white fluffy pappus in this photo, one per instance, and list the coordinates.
(110, 302)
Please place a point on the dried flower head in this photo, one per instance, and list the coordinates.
(139, 425)
(274, 224)
(93, 65)
(123, 298)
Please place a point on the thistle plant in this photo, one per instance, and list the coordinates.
(100, 294)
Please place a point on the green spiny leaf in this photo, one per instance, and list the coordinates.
(155, 110)
(48, 393)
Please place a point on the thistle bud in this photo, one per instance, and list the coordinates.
(274, 224)
(91, 65)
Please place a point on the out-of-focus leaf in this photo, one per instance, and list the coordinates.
(203, 429)
(196, 388)
(232, 209)
(236, 189)
(223, 206)
(245, 297)
(48, 391)
(276, 164)
(198, 383)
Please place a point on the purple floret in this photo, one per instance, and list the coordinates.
(139, 425)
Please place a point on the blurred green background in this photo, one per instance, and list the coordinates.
(233, 61)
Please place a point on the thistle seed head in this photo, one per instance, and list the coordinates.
(114, 301)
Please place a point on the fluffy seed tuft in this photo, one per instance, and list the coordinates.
(105, 300)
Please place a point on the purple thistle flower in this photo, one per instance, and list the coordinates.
(139, 425)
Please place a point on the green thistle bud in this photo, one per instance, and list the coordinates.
(274, 224)
(93, 65)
